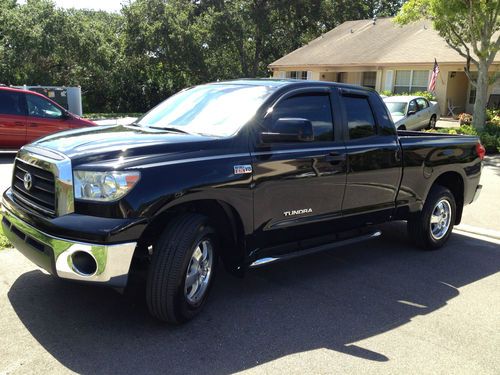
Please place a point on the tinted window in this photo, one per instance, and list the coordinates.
(40, 107)
(11, 103)
(312, 107)
(422, 104)
(359, 117)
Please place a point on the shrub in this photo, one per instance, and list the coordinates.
(424, 94)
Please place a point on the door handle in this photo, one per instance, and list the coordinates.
(33, 125)
(18, 123)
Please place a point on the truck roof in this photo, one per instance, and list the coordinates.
(278, 82)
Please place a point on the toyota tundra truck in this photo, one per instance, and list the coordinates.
(246, 173)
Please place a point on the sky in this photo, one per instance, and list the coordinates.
(108, 5)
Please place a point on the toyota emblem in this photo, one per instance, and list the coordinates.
(28, 181)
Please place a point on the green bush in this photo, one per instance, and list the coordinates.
(4, 242)
(489, 136)
(424, 94)
(104, 116)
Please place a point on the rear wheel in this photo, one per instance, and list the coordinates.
(431, 227)
(182, 269)
(432, 122)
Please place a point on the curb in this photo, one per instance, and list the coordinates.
(479, 231)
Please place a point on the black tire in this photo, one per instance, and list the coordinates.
(165, 293)
(419, 225)
(432, 122)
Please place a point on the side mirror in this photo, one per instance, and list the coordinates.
(289, 130)
(411, 113)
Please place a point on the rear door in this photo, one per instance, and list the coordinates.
(299, 183)
(13, 119)
(44, 118)
(373, 156)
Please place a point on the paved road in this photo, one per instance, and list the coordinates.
(378, 307)
(485, 212)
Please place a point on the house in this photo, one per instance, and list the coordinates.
(385, 56)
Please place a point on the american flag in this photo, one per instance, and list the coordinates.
(432, 82)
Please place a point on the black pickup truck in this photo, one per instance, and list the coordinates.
(247, 172)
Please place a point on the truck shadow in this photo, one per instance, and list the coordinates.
(329, 300)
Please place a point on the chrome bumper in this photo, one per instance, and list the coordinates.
(55, 254)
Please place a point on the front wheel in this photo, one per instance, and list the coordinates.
(182, 269)
(431, 227)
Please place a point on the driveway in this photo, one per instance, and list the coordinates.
(378, 307)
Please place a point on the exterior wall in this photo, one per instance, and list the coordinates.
(455, 89)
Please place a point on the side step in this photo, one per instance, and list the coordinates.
(316, 249)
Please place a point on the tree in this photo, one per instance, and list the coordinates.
(469, 27)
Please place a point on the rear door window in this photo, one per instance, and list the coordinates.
(314, 107)
(360, 119)
(12, 103)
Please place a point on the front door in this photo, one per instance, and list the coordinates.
(44, 118)
(299, 186)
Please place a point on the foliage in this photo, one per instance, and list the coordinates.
(489, 135)
(470, 28)
(110, 115)
(4, 242)
(130, 61)
(424, 94)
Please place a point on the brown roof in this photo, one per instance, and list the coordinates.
(363, 43)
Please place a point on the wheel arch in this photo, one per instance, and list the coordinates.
(222, 216)
(455, 183)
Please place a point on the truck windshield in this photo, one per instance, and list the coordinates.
(396, 108)
(216, 109)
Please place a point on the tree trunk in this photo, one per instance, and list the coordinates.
(479, 115)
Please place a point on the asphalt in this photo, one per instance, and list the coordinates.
(376, 307)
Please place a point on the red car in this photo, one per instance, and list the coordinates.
(26, 116)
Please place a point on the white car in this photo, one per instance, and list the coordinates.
(412, 112)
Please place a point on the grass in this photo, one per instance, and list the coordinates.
(4, 242)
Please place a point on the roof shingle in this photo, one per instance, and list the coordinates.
(364, 43)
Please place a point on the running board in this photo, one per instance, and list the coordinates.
(316, 249)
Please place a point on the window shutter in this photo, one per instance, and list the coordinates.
(309, 75)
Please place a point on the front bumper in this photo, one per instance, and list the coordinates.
(56, 255)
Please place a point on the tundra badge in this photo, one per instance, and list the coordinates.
(298, 212)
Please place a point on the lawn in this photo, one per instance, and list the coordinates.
(4, 242)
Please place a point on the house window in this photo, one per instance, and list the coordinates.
(369, 79)
(411, 81)
(301, 74)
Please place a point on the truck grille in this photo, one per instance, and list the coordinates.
(41, 195)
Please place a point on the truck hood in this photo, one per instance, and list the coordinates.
(103, 143)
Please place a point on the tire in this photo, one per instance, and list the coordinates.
(167, 296)
(432, 122)
(431, 236)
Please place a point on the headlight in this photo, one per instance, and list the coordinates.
(103, 186)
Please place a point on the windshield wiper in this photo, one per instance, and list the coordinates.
(171, 129)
